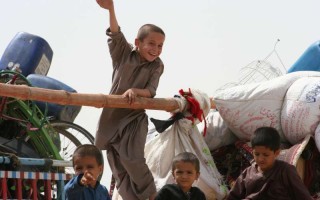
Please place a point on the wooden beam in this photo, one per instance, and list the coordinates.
(62, 97)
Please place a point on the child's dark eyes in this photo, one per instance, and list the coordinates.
(81, 168)
(78, 168)
(258, 154)
(152, 44)
(188, 172)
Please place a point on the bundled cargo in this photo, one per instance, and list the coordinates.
(289, 103)
(184, 136)
(218, 134)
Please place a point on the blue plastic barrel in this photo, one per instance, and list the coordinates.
(309, 61)
(30, 52)
(60, 112)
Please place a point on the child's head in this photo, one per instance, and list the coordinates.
(185, 170)
(149, 42)
(88, 157)
(266, 147)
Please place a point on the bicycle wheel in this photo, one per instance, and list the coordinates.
(71, 135)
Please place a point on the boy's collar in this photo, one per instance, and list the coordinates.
(265, 172)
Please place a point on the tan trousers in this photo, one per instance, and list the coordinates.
(134, 180)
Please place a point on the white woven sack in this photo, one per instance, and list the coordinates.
(247, 107)
(218, 134)
(300, 114)
(182, 137)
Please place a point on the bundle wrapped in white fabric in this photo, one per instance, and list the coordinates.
(217, 133)
(184, 136)
(247, 107)
(300, 114)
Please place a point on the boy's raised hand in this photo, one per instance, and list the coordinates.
(106, 4)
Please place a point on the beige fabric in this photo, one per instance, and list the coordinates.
(122, 132)
(292, 155)
(301, 167)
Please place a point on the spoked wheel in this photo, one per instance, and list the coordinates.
(71, 136)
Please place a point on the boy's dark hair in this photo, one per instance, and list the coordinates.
(186, 157)
(146, 29)
(88, 150)
(266, 136)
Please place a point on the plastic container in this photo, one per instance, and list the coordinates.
(30, 52)
(309, 60)
(60, 112)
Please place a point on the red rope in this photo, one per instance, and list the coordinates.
(194, 109)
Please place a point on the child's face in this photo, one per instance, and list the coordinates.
(264, 157)
(151, 46)
(87, 164)
(185, 174)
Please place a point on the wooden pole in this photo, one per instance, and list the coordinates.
(62, 97)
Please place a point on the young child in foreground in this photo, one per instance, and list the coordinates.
(88, 166)
(185, 170)
(268, 178)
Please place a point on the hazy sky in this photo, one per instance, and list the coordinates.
(207, 41)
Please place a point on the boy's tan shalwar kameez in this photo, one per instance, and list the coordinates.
(122, 132)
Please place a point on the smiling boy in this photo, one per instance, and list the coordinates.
(185, 171)
(122, 132)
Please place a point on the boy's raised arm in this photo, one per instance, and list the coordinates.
(108, 4)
